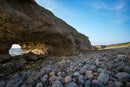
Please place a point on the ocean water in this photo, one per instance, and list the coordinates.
(15, 51)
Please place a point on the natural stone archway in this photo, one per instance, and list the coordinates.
(37, 30)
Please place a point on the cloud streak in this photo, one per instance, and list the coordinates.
(106, 4)
(116, 10)
(114, 5)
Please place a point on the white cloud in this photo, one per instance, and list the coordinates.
(96, 4)
(106, 4)
(116, 10)
(114, 5)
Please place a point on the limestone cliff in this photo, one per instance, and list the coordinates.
(37, 30)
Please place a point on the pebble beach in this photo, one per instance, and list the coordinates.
(104, 68)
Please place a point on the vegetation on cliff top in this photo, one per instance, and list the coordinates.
(117, 45)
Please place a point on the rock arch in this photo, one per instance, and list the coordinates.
(36, 29)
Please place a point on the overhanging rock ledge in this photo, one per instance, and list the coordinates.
(37, 30)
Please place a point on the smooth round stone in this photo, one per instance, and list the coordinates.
(110, 84)
(87, 84)
(52, 73)
(95, 74)
(95, 81)
(52, 78)
(71, 63)
(57, 84)
(39, 84)
(97, 62)
(80, 77)
(76, 74)
(59, 73)
(37, 76)
(63, 74)
(68, 79)
(121, 57)
(89, 74)
(123, 76)
(63, 62)
(71, 84)
(112, 79)
(68, 61)
(117, 84)
(103, 78)
(108, 72)
(99, 70)
(80, 64)
(103, 66)
(49, 69)
(59, 78)
(43, 72)
(92, 67)
(74, 79)
(71, 67)
(44, 78)
(76, 67)
(116, 60)
(82, 70)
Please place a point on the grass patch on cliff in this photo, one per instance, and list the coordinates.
(117, 45)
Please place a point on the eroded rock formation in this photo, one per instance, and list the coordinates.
(37, 30)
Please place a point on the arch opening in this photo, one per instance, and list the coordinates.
(15, 50)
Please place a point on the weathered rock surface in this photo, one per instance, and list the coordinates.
(37, 30)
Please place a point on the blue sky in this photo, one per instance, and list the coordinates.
(103, 21)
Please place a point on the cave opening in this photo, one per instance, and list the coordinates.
(15, 50)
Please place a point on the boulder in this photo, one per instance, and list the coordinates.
(39, 84)
(121, 57)
(123, 76)
(37, 30)
(57, 84)
(71, 84)
(103, 78)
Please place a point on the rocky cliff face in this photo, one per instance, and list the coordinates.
(37, 30)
